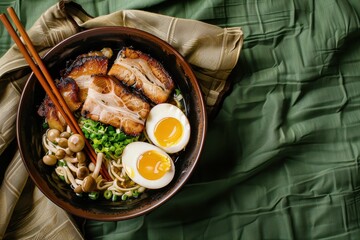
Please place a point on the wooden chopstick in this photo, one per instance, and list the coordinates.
(46, 81)
(66, 113)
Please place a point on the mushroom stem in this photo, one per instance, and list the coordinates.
(81, 171)
(91, 167)
(79, 181)
(70, 159)
(60, 171)
(72, 167)
(71, 177)
(99, 160)
(47, 145)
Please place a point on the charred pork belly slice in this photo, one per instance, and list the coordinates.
(86, 65)
(53, 117)
(74, 83)
(110, 103)
(137, 69)
(82, 84)
(89, 64)
(70, 92)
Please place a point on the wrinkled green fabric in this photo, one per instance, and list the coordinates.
(281, 159)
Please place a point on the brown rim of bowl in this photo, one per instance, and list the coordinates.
(200, 111)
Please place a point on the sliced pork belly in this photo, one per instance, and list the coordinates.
(145, 74)
(73, 84)
(110, 103)
(86, 65)
(70, 92)
(53, 117)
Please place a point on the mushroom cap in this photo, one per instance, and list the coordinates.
(60, 153)
(89, 184)
(63, 142)
(52, 134)
(91, 166)
(78, 189)
(50, 160)
(82, 172)
(65, 134)
(81, 157)
(76, 143)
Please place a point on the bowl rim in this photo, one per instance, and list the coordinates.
(68, 207)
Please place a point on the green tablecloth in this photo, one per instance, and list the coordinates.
(281, 158)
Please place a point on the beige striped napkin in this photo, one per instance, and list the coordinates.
(212, 51)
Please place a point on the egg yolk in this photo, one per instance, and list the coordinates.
(168, 131)
(153, 165)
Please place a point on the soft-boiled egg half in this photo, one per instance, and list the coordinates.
(148, 165)
(168, 128)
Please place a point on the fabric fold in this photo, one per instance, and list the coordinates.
(212, 52)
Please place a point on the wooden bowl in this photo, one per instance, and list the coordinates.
(29, 124)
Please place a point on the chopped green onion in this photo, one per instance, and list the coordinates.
(45, 125)
(94, 195)
(108, 194)
(135, 194)
(124, 197)
(114, 198)
(177, 91)
(105, 138)
(61, 163)
(62, 177)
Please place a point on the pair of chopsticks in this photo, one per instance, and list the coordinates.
(46, 80)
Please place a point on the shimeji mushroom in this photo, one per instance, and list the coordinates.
(64, 146)
(60, 153)
(99, 161)
(71, 178)
(49, 145)
(67, 146)
(86, 181)
(76, 143)
(50, 160)
(65, 134)
(53, 134)
(89, 182)
(62, 142)
(91, 167)
(80, 157)
(81, 171)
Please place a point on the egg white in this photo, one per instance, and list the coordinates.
(160, 112)
(130, 157)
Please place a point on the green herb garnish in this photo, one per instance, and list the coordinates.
(105, 138)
